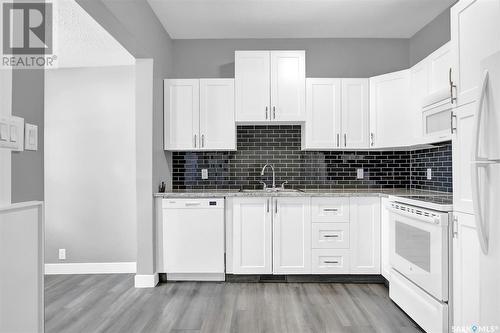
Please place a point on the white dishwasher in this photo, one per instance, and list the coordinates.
(193, 239)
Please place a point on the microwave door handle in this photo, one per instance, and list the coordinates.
(476, 164)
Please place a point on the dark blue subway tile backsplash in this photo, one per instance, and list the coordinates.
(281, 146)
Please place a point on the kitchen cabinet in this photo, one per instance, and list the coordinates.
(270, 86)
(217, 126)
(199, 114)
(330, 261)
(181, 105)
(462, 157)
(439, 64)
(419, 87)
(475, 27)
(466, 272)
(337, 113)
(323, 104)
(365, 235)
(330, 209)
(292, 235)
(385, 239)
(355, 113)
(391, 122)
(252, 236)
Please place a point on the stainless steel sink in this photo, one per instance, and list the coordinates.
(271, 190)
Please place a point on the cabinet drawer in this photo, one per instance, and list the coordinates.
(326, 261)
(330, 235)
(330, 209)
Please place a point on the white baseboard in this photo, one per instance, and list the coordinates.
(146, 281)
(196, 276)
(90, 268)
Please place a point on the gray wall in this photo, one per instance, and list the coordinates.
(27, 166)
(136, 27)
(430, 37)
(324, 57)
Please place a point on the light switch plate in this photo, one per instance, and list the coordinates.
(360, 173)
(204, 173)
(31, 137)
(429, 174)
(12, 133)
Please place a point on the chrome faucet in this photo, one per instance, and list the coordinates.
(272, 168)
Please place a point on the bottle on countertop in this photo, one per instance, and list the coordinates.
(162, 187)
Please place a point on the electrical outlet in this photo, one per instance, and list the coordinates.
(360, 173)
(429, 174)
(204, 173)
(62, 254)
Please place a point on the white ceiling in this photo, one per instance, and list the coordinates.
(189, 19)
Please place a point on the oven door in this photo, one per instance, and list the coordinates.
(419, 247)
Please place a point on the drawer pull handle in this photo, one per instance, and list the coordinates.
(330, 209)
(331, 236)
(190, 204)
(331, 261)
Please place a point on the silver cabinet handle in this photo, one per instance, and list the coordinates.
(452, 86)
(345, 139)
(276, 206)
(267, 205)
(330, 262)
(338, 139)
(195, 140)
(372, 138)
(331, 236)
(266, 112)
(330, 209)
(453, 129)
(203, 140)
(274, 112)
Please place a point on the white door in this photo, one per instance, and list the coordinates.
(252, 86)
(466, 276)
(419, 87)
(385, 239)
(462, 158)
(475, 31)
(252, 236)
(288, 85)
(440, 62)
(292, 236)
(365, 235)
(322, 128)
(391, 122)
(181, 114)
(355, 113)
(217, 126)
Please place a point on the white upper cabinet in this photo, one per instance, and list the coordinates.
(252, 71)
(365, 235)
(419, 87)
(391, 121)
(292, 236)
(322, 128)
(217, 126)
(475, 31)
(439, 63)
(355, 113)
(270, 86)
(181, 105)
(199, 114)
(288, 95)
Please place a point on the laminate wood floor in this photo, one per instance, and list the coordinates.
(110, 303)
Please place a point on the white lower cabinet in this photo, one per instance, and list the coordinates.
(330, 261)
(466, 278)
(365, 235)
(330, 235)
(252, 236)
(292, 236)
(384, 239)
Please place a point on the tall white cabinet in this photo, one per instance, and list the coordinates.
(199, 114)
(270, 86)
(337, 113)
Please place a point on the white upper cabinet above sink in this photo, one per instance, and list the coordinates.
(270, 86)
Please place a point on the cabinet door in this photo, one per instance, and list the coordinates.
(384, 239)
(355, 113)
(440, 62)
(252, 236)
(466, 278)
(181, 108)
(462, 157)
(252, 85)
(217, 126)
(475, 27)
(292, 236)
(419, 87)
(322, 128)
(391, 122)
(365, 235)
(288, 85)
